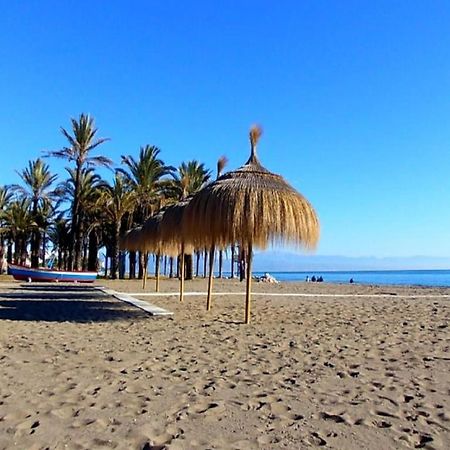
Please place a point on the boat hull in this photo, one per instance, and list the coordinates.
(27, 274)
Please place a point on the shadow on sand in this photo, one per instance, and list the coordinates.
(63, 304)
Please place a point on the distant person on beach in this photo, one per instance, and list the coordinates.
(307, 278)
(351, 281)
(313, 279)
(267, 278)
(320, 279)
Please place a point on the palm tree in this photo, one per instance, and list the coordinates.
(59, 235)
(90, 185)
(5, 198)
(19, 223)
(45, 217)
(38, 181)
(146, 178)
(189, 178)
(81, 143)
(117, 200)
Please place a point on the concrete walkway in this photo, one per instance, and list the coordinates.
(128, 298)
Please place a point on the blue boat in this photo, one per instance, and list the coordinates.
(28, 274)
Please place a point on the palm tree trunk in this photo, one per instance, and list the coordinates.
(132, 259)
(115, 255)
(74, 248)
(141, 265)
(93, 250)
(85, 254)
(220, 263)
(36, 246)
(60, 259)
(78, 249)
(44, 247)
(197, 263)
(34, 239)
(232, 261)
(17, 247)
(9, 253)
(106, 264)
(34, 250)
(171, 267)
(205, 262)
(189, 266)
(241, 263)
(23, 251)
(121, 265)
(157, 272)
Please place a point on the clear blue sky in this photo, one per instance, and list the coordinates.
(353, 96)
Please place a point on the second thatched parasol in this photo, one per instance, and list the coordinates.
(175, 242)
(152, 242)
(133, 241)
(253, 207)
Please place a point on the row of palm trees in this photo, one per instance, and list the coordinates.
(84, 212)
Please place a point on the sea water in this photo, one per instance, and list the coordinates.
(397, 277)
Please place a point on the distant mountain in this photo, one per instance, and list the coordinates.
(285, 261)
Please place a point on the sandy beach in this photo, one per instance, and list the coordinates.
(340, 366)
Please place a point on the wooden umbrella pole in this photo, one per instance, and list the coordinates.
(157, 272)
(248, 294)
(182, 273)
(210, 278)
(144, 276)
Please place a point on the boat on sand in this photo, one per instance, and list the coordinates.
(42, 274)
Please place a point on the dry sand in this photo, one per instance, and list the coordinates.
(81, 370)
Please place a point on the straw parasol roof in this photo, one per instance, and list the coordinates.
(151, 241)
(174, 240)
(251, 204)
(253, 207)
(171, 231)
(151, 236)
(132, 240)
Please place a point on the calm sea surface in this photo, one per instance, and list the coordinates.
(415, 277)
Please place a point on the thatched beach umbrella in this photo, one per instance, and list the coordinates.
(175, 242)
(253, 207)
(152, 242)
(133, 241)
(221, 163)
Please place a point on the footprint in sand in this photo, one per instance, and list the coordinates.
(28, 424)
(338, 418)
(382, 424)
(207, 408)
(314, 438)
(424, 439)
